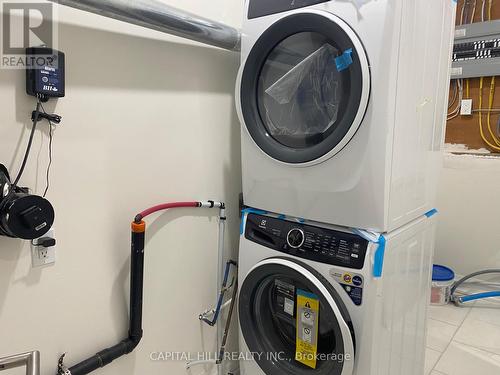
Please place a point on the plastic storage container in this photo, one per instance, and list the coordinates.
(442, 281)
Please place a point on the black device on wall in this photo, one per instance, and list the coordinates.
(22, 215)
(45, 76)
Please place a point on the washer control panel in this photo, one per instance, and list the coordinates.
(261, 8)
(295, 238)
(307, 241)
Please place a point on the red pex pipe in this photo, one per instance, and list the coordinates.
(165, 206)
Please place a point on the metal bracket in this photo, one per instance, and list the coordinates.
(30, 359)
(61, 368)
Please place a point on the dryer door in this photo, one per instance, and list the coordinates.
(305, 88)
(286, 335)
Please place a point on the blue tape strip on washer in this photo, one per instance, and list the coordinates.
(344, 61)
(378, 261)
(244, 214)
(431, 213)
(378, 264)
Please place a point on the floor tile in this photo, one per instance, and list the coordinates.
(462, 359)
(439, 334)
(431, 358)
(434, 372)
(489, 315)
(479, 334)
(449, 314)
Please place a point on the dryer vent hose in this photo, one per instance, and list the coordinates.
(106, 356)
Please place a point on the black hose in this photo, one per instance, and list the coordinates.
(126, 346)
(30, 142)
(13, 186)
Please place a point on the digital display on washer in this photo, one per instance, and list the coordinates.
(260, 8)
(307, 242)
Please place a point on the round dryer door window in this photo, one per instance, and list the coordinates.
(294, 322)
(305, 88)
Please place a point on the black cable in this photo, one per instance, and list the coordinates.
(30, 142)
(47, 173)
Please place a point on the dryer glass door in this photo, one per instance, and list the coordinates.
(277, 328)
(301, 93)
(304, 88)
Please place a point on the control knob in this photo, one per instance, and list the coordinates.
(295, 238)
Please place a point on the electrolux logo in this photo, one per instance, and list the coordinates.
(26, 24)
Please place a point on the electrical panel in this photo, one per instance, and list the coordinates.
(476, 52)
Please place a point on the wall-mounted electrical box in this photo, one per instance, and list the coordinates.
(45, 75)
(477, 50)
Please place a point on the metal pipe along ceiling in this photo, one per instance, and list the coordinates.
(158, 16)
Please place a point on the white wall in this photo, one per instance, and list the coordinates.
(468, 231)
(147, 118)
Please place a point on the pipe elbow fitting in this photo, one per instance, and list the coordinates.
(132, 342)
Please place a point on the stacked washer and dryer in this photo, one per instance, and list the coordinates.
(343, 106)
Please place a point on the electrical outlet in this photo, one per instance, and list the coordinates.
(466, 107)
(42, 256)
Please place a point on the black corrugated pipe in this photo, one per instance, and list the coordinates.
(106, 356)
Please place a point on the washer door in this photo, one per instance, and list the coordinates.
(305, 88)
(268, 309)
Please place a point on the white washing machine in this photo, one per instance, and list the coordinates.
(309, 303)
(343, 105)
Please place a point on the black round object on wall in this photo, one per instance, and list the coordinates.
(22, 215)
(25, 216)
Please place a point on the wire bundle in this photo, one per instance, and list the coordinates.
(467, 15)
(483, 10)
(469, 8)
(456, 100)
(495, 144)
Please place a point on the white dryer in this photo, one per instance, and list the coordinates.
(343, 108)
(355, 323)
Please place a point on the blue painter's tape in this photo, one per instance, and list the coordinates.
(378, 264)
(378, 261)
(344, 61)
(431, 213)
(282, 217)
(244, 214)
